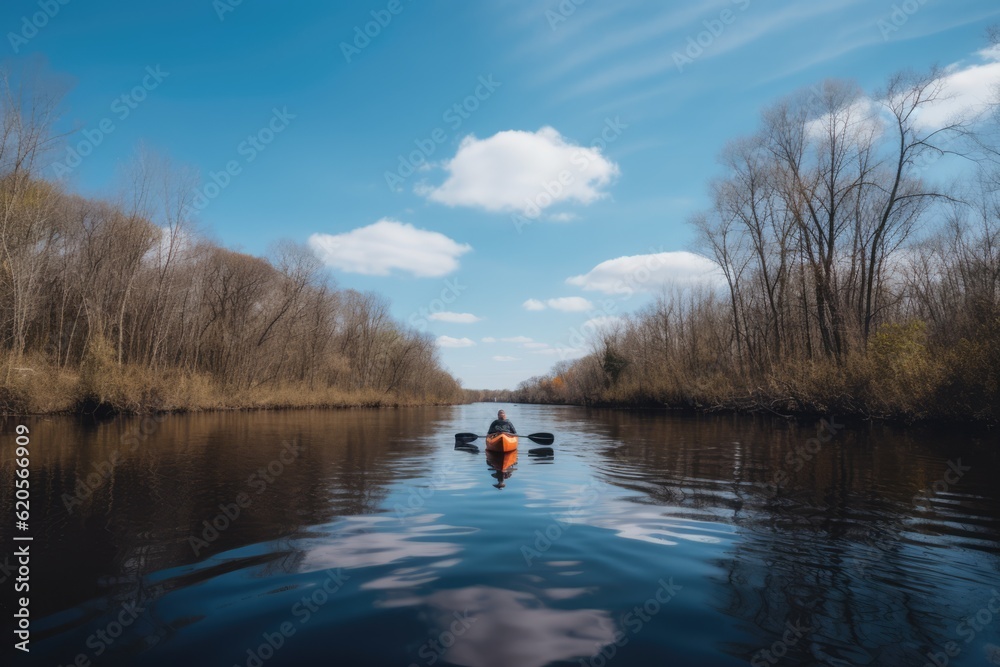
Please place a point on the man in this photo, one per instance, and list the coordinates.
(501, 425)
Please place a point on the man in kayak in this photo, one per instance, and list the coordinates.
(501, 425)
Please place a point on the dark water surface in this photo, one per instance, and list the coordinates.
(365, 538)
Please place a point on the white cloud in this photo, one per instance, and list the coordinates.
(388, 245)
(533, 304)
(652, 31)
(602, 323)
(563, 217)
(567, 304)
(570, 304)
(177, 240)
(648, 273)
(862, 118)
(517, 339)
(489, 339)
(966, 91)
(756, 25)
(534, 346)
(502, 358)
(448, 341)
(454, 318)
(522, 171)
(564, 353)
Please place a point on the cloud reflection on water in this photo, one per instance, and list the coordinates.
(516, 628)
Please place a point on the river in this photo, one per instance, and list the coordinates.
(364, 537)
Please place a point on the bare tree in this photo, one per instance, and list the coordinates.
(27, 115)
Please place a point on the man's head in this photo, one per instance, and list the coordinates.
(501, 415)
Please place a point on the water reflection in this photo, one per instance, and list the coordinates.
(369, 541)
(503, 466)
(542, 455)
(842, 546)
(485, 626)
(129, 497)
(876, 544)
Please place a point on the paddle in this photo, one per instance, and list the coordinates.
(540, 438)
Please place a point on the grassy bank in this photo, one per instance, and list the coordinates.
(855, 389)
(38, 388)
(901, 376)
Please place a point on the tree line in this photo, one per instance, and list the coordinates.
(850, 281)
(121, 303)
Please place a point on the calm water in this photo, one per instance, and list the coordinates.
(366, 538)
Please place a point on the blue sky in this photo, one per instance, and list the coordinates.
(548, 137)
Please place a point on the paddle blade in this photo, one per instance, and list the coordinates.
(466, 437)
(542, 438)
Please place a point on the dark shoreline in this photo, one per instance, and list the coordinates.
(852, 417)
(847, 417)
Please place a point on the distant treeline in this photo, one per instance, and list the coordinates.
(852, 285)
(120, 304)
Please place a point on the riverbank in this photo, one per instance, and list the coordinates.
(42, 390)
(843, 409)
(948, 387)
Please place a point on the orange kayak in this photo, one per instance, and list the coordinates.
(501, 442)
(501, 460)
